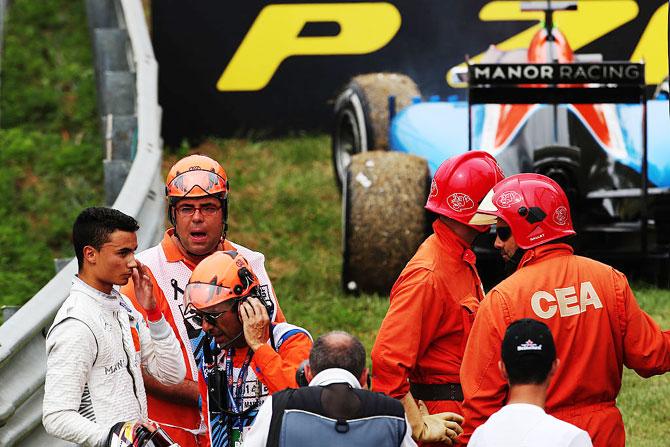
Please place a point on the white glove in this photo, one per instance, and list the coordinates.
(439, 427)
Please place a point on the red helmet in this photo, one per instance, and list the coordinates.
(460, 183)
(533, 205)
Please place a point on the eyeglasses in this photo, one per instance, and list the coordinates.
(197, 316)
(189, 210)
(503, 233)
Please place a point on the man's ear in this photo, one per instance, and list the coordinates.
(364, 379)
(554, 367)
(503, 370)
(308, 372)
(90, 255)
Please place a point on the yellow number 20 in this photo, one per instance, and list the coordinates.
(592, 21)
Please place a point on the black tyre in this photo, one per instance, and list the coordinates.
(384, 221)
(362, 115)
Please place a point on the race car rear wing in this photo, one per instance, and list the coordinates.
(575, 83)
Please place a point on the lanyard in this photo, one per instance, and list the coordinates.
(236, 402)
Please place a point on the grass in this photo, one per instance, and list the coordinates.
(50, 151)
(645, 403)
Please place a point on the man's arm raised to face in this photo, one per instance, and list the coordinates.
(184, 393)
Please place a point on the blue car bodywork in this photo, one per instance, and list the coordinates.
(437, 130)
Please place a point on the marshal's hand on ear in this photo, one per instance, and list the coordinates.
(255, 322)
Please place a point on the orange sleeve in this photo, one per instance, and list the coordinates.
(484, 388)
(204, 400)
(277, 369)
(646, 347)
(413, 316)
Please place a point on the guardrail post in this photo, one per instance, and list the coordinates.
(116, 172)
(122, 138)
(118, 96)
(101, 14)
(8, 311)
(111, 54)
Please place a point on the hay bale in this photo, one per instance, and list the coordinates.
(384, 218)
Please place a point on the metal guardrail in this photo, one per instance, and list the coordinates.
(22, 340)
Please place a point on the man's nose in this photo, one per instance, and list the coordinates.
(206, 326)
(498, 244)
(132, 263)
(197, 215)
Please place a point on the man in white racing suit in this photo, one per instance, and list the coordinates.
(98, 341)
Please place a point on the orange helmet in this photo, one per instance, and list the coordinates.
(197, 176)
(222, 276)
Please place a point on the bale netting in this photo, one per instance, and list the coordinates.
(384, 218)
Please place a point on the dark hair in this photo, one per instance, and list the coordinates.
(93, 227)
(337, 349)
(528, 352)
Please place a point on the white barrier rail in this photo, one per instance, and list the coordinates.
(22, 342)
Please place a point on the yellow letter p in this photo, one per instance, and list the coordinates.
(275, 36)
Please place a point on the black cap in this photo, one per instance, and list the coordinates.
(528, 351)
